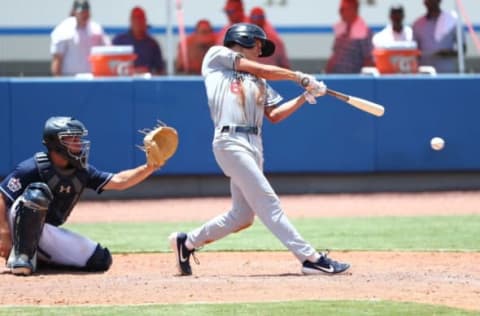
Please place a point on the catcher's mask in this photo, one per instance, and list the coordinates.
(65, 136)
(245, 34)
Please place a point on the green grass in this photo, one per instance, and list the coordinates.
(337, 308)
(434, 233)
(429, 233)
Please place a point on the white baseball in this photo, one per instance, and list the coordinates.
(437, 143)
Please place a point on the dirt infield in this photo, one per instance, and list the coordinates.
(451, 279)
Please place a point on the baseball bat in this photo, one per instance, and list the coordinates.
(359, 103)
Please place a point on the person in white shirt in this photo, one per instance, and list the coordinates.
(72, 40)
(395, 31)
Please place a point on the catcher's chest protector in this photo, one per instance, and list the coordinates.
(66, 187)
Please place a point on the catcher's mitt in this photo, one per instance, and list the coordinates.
(159, 144)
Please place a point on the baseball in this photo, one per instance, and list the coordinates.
(437, 143)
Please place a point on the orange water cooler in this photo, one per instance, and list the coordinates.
(112, 60)
(397, 57)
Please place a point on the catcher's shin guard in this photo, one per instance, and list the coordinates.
(30, 214)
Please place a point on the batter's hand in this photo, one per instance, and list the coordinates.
(319, 89)
(306, 81)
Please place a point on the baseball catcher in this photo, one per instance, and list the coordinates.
(37, 197)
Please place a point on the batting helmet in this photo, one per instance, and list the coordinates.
(65, 136)
(245, 34)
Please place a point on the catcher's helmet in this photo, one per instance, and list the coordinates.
(65, 136)
(245, 34)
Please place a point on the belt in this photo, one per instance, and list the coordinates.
(240, 129)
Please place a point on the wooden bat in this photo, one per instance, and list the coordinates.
(359, 103)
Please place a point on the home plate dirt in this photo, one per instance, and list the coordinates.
(450, 279)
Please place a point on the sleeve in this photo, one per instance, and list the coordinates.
(219, 57)
(273, 98)
(58, 44)
(97, 179)
(158, 58)
(15, 183)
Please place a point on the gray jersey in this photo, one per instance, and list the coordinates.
(234, 98)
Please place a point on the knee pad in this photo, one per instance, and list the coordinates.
(100, 260)
(37, 196)
(30, 213)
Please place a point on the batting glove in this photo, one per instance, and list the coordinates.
(304, 80)
(318, 89)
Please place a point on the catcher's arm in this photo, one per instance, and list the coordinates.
(159, 145)
(128, 178)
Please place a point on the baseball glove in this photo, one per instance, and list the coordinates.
(159, 144)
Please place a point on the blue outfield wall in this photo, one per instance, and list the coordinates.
(329, 137)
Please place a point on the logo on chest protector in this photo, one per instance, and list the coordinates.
(64, 189)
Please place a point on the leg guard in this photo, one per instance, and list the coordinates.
(30, 214)
(101, 260)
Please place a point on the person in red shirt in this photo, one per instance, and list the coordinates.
(197, 45)
(279, 57)
(352, 48)
(235, 13)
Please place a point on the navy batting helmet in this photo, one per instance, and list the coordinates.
(65, 136)
(245, 34)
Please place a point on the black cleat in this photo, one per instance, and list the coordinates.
(182, 253)
(324, 265)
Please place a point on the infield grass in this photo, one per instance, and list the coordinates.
(337, 308)
(424, 233)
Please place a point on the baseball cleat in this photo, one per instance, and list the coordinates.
(21, 265)
(182, 253)
(324, 265)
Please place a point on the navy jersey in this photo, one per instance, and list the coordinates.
(66, 185)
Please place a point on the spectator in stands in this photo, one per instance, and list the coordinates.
(190, 54)
(72, 40)
(279, 57)
(436, 36)
(235, 13)
(396, 30)
(149, 55)
(196, 46)
(352, 48)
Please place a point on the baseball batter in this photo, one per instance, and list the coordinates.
(38, 196)
(239, 97)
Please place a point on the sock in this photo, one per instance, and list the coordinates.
(314, 257)
(189, 244)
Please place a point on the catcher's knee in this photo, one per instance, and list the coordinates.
(100, 260)
(30, 212)
(37, 196)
